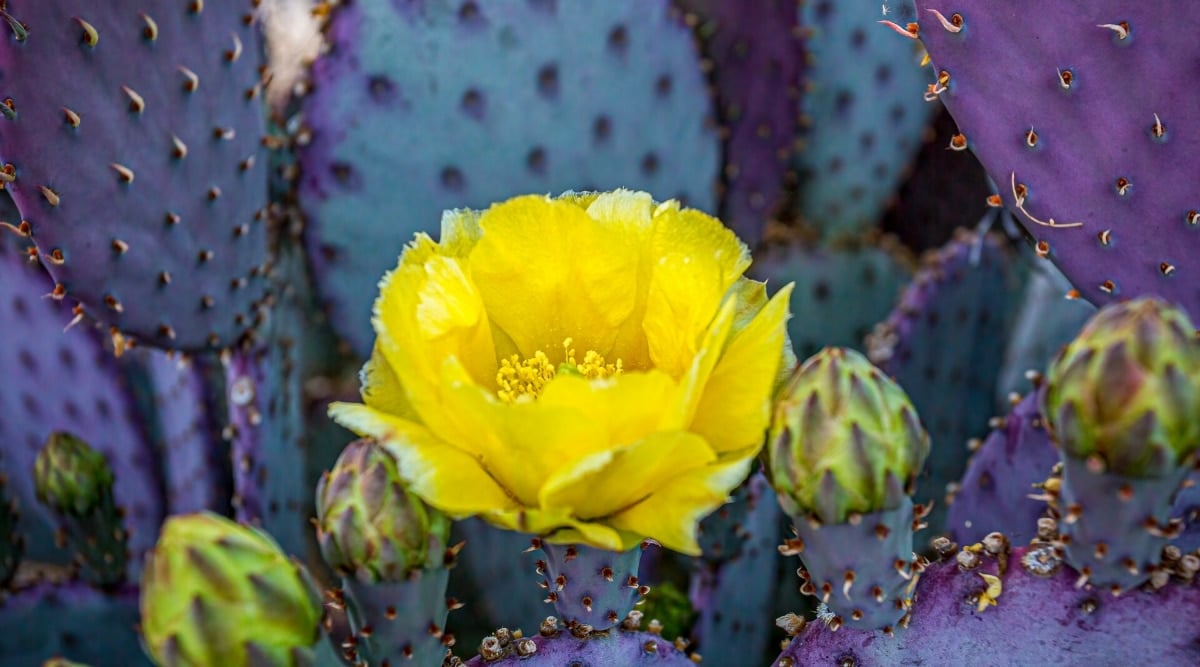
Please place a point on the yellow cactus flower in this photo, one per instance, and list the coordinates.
(590, 368)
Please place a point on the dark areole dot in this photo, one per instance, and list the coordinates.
(842, 102)
(883, 74)
(469, 13)
(880, 171)
(858, 192)
(869, 276)
(649, 164)
(345, 175)
(381, 89)
(66, 357)
(618, 40)
(71, 408)
(547, 80)
(858, 38)
(31, 405)
(930, 373)
(601, 129)
(28, 362)
(662, 85)
(898, 113)
(536, 160)
(821, 290)
(867, 140)
(824, 10)
(548, 6)
(103, 408)
(835, 164)
(473, 103)
(452, 179)
(19, 306)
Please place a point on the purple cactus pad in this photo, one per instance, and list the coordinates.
(994, 494)
(1087, 116)
(136, 142)
(757, 58)
(556, 647)
(1037, 619)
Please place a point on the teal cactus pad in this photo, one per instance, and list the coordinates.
(421, 107)
(138, 161)
(735, 589)
(398, 621)
(70, 381)
(944, 344)
(496, 578)
(864, 111)
(840, 294)
(71, 620)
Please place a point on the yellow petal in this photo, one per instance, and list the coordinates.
(560, 528)
(695, 260)
(735, 406)
(382, 389)
(548, 271)
(621, 409)
(460, 232)
(691, 386)
(609, 482)
(443, 476)
(671, 514)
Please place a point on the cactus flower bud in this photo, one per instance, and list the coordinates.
(1127, 389)
(218, 593)
(71, 477)
(844, 439)
(369, 524)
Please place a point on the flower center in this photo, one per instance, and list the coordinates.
(519, 377)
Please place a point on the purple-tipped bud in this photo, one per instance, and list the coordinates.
(842, 435)
(369, 524)
(1127, 389)
(71, 477)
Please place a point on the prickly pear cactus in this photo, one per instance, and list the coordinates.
(847, 288)
(67, 380)
(555, 645)
(138, 160)
(995, 491)
(425, 106)
(1094, 157)
(1020, 608)
(71, 619)
(757, 58)
(946, 338)
(863, 111)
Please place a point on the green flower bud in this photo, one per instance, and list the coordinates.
(1127, 389)
(70, 477)
(844, 439)
(369, 524)
(218, 593)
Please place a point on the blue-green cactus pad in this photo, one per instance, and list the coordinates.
(421, 107)
(864, 109)
(71, 620)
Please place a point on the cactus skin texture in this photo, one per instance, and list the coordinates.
(1029, 620)
(1000, 478)
(589, 586)
(1121, 401)
(757, 57)
(597, 96)
(946, 337)
(848, 288)
(863, 113)
(555, 646)
(131, 121)
(76, 482)
(1098, 135)
(390, 550)
(72, 619)
(732, 586)
(68, 381)
(216, 593)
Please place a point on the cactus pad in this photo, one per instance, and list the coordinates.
(134, 150)
(840, 292)
(72, 619)
(1034, 620)
(757, 58)
(555, 646)
(1095, 155)
(67, 380)
(946, 338)
(994, 494)
(421, 107)
(863, 111)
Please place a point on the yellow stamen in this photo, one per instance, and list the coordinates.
(518, 377)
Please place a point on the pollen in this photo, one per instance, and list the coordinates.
(517, 377)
